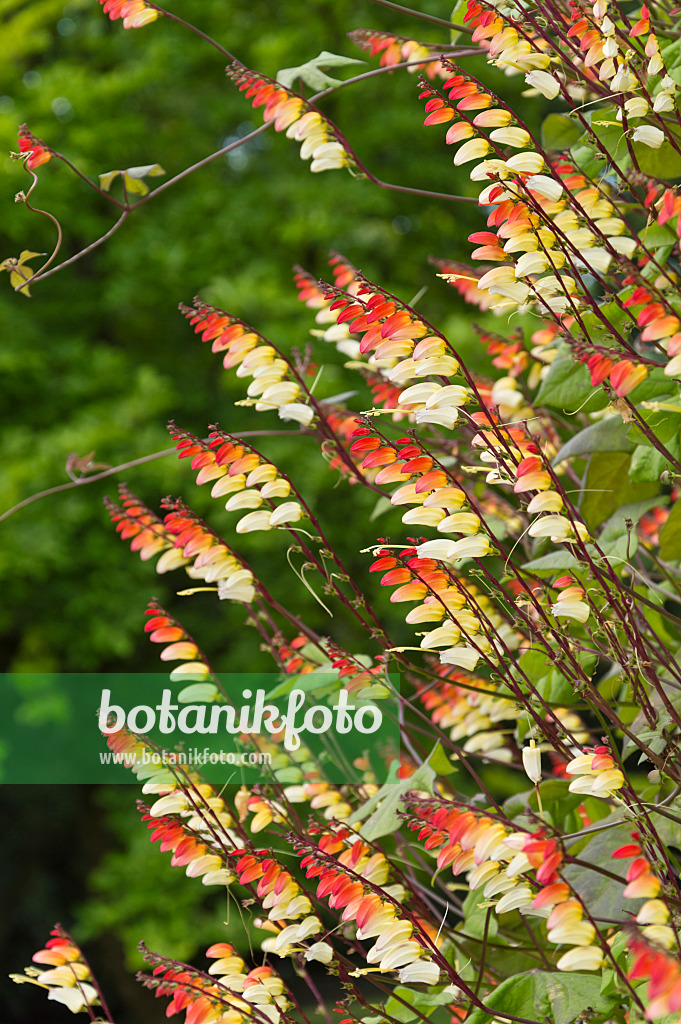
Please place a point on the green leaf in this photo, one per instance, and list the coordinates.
(132, 178)
(548, 679)
(552, 563)
(421, 1001)
(616, 526)
(617, 550)
(670, 535)
(312, 74)
(607, 487)
(475, 917)
(545, 995)
(319, 681)
(456, 17)
(382, 505)
(608, 435)
(664, 424)
(647, 465)
(558, 131)
(567, 385)
(608, 130)
(664, 162)
(382, 809)
(657, 234)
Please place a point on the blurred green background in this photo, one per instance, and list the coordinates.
(100, 359)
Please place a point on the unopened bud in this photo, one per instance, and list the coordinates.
(532, 762)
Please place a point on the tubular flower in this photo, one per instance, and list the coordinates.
(397, 340)
(281, 895)
(250, 482)
(570, 603)
(596, 774)
(230, 998)
(532, 475)
(196, 848)
(301, 121)
(470, 714)
(663, 974)
(67, 978)
(135, 522)
(342, 863)
(274, 384)
(653, 917)
(36, 152)
(622, 374)
(212, 560)
(505, 45)
(134, 13)
(164, 629)
(394, 49)
(188, 817)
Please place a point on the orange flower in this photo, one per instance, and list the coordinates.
(134, 13)
(38, 152)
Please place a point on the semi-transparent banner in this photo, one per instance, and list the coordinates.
(117, 728)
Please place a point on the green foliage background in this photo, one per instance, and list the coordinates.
(99, 359)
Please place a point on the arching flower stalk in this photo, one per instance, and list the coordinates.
(64, 974)
(354, 879)
(394, 49)
(226, 992)
(302, 122)
(240, 473)
(275, 383)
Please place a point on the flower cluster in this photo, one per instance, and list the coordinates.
(164, 629)
(228, 993)
(394, 49)
(285, 901)
(249, 479)
(470, 709)
(195, 842)
(274, 384)
(301, 120)
(663, 974)
(145, 530)
(596, 773)
(498, 860)
(134, 13)
(36, 153)
(653, 917)
(68, 978)
(349, 875)
(424, 574)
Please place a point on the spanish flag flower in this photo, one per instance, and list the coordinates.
(301, 121)
(596, 774)
(36, 152)
(135, 13)
(67, 979)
